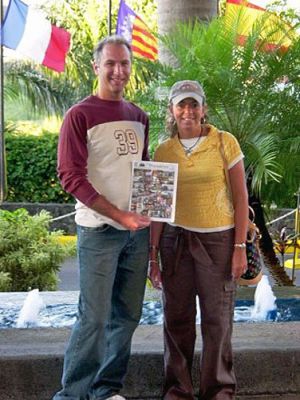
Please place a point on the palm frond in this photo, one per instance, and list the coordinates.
(242, 85)
(262, 155)
(27, 84)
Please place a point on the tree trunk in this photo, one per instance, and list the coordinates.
(172, 11)
(266, 244)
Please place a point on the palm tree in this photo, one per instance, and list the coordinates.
(52, 93)
(171, 12)
(45, 94)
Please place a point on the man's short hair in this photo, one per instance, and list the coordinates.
(113, 39)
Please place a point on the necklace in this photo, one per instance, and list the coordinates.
(189, 149)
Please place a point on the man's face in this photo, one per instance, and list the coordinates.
(113, 71)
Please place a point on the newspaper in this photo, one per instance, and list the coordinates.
(154, 186)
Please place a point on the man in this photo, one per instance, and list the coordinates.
(100, 137)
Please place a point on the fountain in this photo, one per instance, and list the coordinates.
(29, 313)
(58, 309)
(264, 301)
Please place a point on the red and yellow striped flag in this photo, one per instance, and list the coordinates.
(133, 29)
(274, 31)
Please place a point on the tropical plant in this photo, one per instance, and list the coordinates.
(244, 95)
(182, 11)
(49, 92)
(25, 84)
(30, 256)
(46, 90)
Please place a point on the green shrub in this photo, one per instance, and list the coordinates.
(31, 169)
(30, 256)
(5, 281)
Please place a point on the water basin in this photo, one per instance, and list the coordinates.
(59, 309)
(61, 315)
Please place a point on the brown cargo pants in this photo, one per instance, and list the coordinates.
(197, 264)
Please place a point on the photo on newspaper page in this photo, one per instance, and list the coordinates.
(154, 186)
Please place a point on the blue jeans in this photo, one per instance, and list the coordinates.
(113, 271)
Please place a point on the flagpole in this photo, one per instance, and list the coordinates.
(109, 17)
(2, 145)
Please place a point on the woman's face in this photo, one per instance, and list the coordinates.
(188, 114)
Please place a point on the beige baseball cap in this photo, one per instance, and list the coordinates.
(184, 89)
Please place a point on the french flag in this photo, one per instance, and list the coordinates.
(28, 32)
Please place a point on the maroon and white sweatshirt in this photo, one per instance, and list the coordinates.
(98, 141)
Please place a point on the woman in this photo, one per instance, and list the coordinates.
(203, 253)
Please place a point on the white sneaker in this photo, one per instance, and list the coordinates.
(116, 397)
